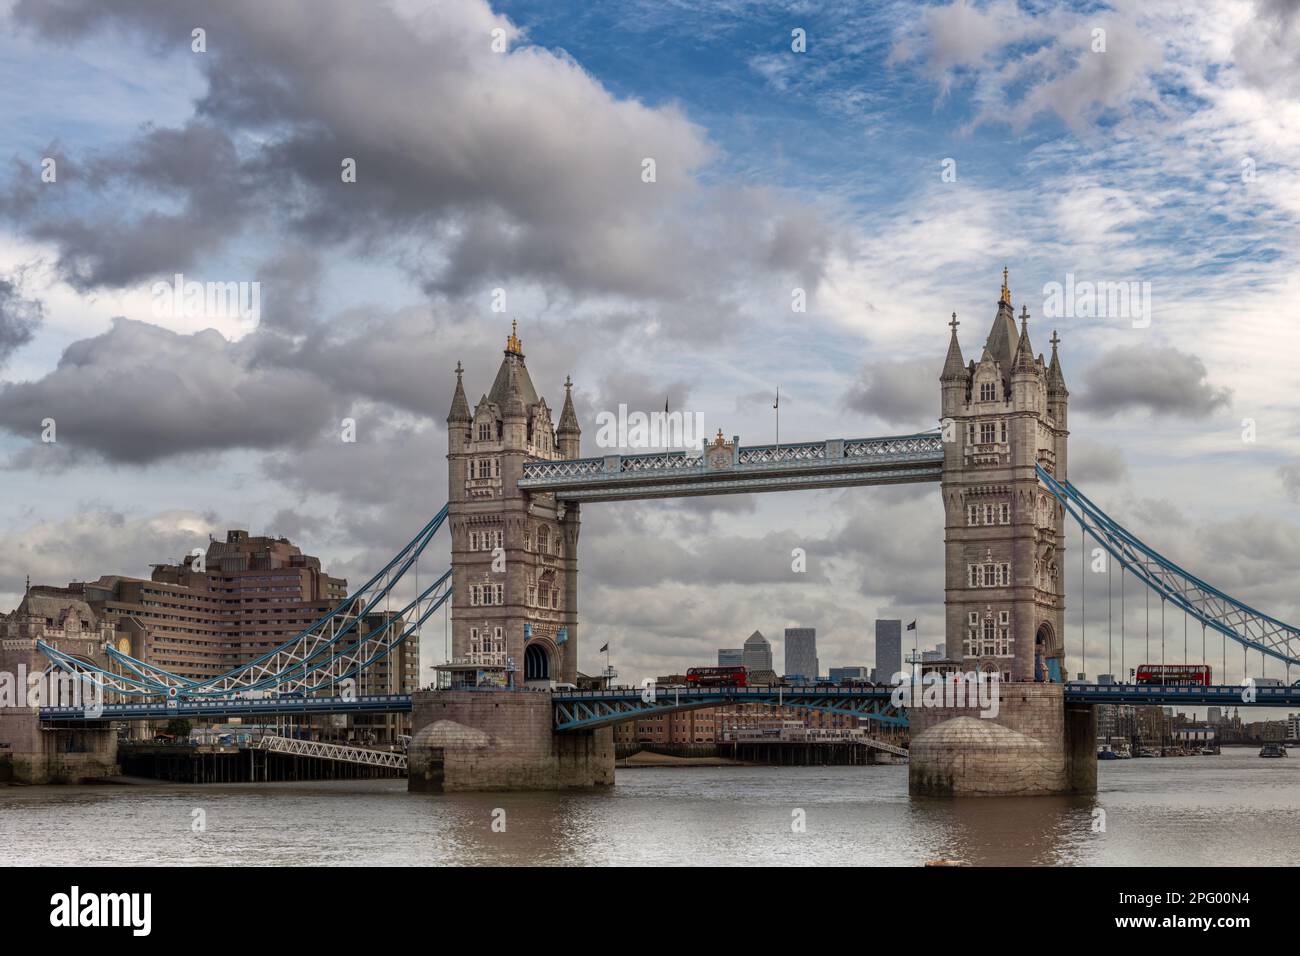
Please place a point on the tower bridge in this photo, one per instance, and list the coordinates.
(516, 486)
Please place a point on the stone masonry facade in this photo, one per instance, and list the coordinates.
(501, 740)
(1038, 744)
(514, 554)
(1003, 531)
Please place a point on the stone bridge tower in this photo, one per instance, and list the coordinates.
(1003, 532)
(514, 554)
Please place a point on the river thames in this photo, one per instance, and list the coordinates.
(1190, 811)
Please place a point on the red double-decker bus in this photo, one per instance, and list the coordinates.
(716, 677)
(1195, 675)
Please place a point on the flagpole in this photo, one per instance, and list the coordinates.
(777, 405)
(916, 648)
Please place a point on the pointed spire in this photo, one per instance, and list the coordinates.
(1001, 342)
(1055, 380)
(512, 342)
(514, 407)
(954, 369)
(1024, 351)
(568, 417)
(459, 414)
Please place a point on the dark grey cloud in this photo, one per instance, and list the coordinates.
(1163, 381)
(19, 318)
(1266, 47)
(893, 537)
(673, 548)
(391, 462)
(902, 393)
(403, 358)
(195, 169)
(290, 290)
(1241, 556)
(638, 391)
(138, 393)
(1290, 475)
(95, 539)
(437, 123)
(1091, 463)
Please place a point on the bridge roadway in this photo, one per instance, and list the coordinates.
(732, 469)
(236, 707)
(584, 709)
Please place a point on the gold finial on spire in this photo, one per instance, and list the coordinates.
(512, 343)
(1006, 291)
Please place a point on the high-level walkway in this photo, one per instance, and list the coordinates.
(734, 469)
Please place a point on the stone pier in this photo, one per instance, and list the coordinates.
(30, 753)
(1037, 744)
(501, 740)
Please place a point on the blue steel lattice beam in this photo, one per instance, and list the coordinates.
(584, 710)
(1209, 605)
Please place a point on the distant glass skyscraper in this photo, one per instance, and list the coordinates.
(758, 653)
(889, 649)
(731, 657)
(801, 651)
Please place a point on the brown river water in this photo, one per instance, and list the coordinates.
(1235, 808)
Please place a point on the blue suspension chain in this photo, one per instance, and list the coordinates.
(1083, 603)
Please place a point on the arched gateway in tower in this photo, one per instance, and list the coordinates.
(515, 481)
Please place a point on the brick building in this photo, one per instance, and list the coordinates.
(200, 618)
(708, 724)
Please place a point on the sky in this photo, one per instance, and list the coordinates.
(887, 160)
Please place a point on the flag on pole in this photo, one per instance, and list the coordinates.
(777, 403)
(603, 649)
(912, 626)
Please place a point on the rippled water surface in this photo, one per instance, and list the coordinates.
(1190, 811)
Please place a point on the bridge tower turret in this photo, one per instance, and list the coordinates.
(514, 554)
(569, 434)
(1003, 532)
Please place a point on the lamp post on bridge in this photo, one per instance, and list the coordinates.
(915, 660)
